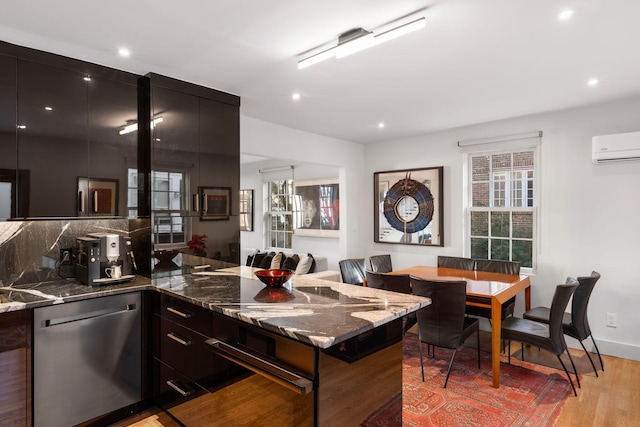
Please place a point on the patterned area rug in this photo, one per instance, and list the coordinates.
(529, 394)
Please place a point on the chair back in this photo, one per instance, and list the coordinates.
(352, 270)
(380, 263)
(580, 304)
(441, 323)
(497, 266)
(389, 282)
(558, 306)
(456, 262)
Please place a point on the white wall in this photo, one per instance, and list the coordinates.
(587, 214)
(313, 156)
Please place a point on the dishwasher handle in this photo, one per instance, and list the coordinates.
(88, 315)
(269, 370)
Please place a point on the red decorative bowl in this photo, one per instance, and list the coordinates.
(274, 278)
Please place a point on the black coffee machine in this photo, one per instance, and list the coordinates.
(99, 251)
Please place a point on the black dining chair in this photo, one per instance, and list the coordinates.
(443, 323)
(456, 262)
(380, 263)
(549, 337)
(352, 271)
(576, 323)
(494, 266)
(395, 283)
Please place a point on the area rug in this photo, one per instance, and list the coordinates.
(529, 394)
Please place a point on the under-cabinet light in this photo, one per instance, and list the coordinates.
(360, 39)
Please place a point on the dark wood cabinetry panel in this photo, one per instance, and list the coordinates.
(8, 146)
(15, 368)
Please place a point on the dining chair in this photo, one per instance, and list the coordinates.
(494, 266)
(443, 323)
(395, 283)
(380, 263)
(576, 323)
(549, 337)
(456, 262)
(352, 271)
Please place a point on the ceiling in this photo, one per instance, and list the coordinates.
(475, 61)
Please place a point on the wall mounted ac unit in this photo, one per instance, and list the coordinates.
(618, 147)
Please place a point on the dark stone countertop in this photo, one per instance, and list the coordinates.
(318, 312)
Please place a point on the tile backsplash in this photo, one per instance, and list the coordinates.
(30, 250)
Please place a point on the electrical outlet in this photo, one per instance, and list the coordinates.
(66, 256)
(612, 320)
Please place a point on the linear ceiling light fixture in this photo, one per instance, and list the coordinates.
(359, 39)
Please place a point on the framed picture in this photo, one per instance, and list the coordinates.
(216, 203)
(408, 206)
(316, 208)
(246, 210)
(97, 196)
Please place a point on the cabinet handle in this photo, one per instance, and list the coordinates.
(267, 369)
(176, 338)
(81, 201)
(184, 393)
(95, 202)
(195, 202)
(205, 206)
(184, 314)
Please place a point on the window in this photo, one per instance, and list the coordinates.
(169, 202)
(279, 227)
(502, 211)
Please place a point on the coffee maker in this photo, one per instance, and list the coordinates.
(97, 252)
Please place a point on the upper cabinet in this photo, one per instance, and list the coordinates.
(65, 137)
(195, 164)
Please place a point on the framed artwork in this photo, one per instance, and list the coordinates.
(408, 207)
(97, 196)
(216, 203)
(246, 210)
(316, 208)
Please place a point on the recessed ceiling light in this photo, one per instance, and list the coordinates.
(123, 51)
(295, 96)
(48, 108)
(565, 14)
(380, 125)
(592, 82)
(22, 127)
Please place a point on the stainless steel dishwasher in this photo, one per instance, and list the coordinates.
(86, 359)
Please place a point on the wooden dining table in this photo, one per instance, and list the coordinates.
(496, 288)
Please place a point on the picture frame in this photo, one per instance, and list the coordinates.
(246, 210)
(97, 196)
(216, 203)
(408, 207)
(316, 208)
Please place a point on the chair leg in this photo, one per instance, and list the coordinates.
(509, 353)
(598, 351)
(478, 345)
(453, 356)
(593, 365)
(420, 346)
(522, 350)
(574, 368)
(575, 393)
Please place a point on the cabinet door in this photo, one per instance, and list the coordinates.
(52, 136)
(8, 147)
(14, 373)
(112, 148)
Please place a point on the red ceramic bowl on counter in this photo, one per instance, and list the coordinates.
(274, 278)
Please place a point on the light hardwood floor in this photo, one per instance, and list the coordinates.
(612, 399)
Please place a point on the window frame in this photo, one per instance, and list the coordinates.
(271, 213)
(525, 195)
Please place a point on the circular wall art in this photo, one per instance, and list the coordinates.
(408, 205)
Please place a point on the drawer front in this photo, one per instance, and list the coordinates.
(173, 388)
(188, 315)
(185, 351)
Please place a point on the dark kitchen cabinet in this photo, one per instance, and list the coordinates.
(62, 123)
(15, 368)
(195, 164)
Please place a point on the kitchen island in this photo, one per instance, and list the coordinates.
(342, 343)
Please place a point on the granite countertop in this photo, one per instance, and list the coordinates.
(315, 311)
